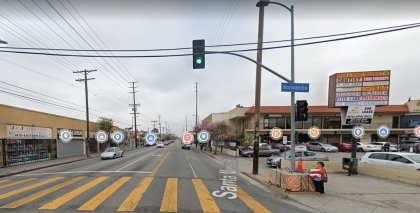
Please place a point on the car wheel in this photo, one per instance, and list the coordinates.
(103, 158)
(122, 154)
(271, 154)
(249, 155)
(322, 150)
(360, 150)
(114, 156)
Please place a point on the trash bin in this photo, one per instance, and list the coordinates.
(350, 164)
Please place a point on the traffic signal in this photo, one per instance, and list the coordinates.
(199, 56)
(302, 110)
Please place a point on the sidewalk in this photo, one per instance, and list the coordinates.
(13, 170)
(344, 193)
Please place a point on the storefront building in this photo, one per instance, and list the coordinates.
(400, 119)
(28, 136)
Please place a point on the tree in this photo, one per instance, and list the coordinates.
(247, 139)
(219, 131)
(106, 124)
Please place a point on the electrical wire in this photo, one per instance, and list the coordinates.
(211, 46)
(228, 51)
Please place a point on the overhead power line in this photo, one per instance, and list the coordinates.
(189, 54)
(398, 27)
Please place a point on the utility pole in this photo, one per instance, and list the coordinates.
(134, 105)
(160, 128)
(86, 79)
(196, 114)
(154, 125)
(166, 132)
(258, 91)
(186, 123)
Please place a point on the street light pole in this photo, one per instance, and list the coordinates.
(261, 4)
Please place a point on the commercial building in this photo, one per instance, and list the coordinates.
(29, 136)
(400, 119)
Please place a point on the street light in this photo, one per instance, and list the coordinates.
(264, 3)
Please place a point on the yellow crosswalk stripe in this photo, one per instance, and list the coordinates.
(33, 186)
(69, 196)
(251, 203)
(133, 199)
(15, 183)
(206, 200)
(2, 181)
(40, 194)
(93, 203)
(170, 197)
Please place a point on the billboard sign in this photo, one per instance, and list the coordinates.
(359, 89)
(359, 115)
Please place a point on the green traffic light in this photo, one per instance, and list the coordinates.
(199, 60)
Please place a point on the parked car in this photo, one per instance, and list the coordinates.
(392, 147)
(366, 147)
(298, 146)
(281, 147)
(343, 147)
(304, 155)
(160, 144)
(262, 151)
(112, 152)
(323, 147)
(260, 145)
(397, 159)
(166, 143)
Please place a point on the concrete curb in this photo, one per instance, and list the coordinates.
(283, 194)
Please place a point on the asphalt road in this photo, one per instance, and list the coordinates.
(149, 179)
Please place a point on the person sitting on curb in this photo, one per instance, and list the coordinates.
(319, 175)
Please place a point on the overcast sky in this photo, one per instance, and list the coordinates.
(166, 85)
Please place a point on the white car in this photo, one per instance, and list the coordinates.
(112, 152)
(160, 144)
(366, 147)
(298, 147)
(396, 159)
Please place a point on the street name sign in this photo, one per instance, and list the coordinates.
(294, 87)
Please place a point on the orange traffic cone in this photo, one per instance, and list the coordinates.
(300, 166)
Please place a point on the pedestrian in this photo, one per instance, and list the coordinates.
(386, 147)
(319, 175)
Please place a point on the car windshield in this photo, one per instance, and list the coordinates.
(415, 158)
(110, 150)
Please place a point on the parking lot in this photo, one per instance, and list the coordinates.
(332, 156)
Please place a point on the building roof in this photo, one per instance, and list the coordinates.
(325, 109)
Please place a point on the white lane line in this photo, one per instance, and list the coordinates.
(54, 173)
(134, 162)
(192, 169)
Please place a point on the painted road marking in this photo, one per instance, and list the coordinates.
(16, 183)
(55, 173)
(134, 162)
(93, 203)
(70, 195)
(206, 200)
(170, 197)
(33, 186)
(2, 181)
(133, 199)
(40, 194)
(160, 163)
(251, 203)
